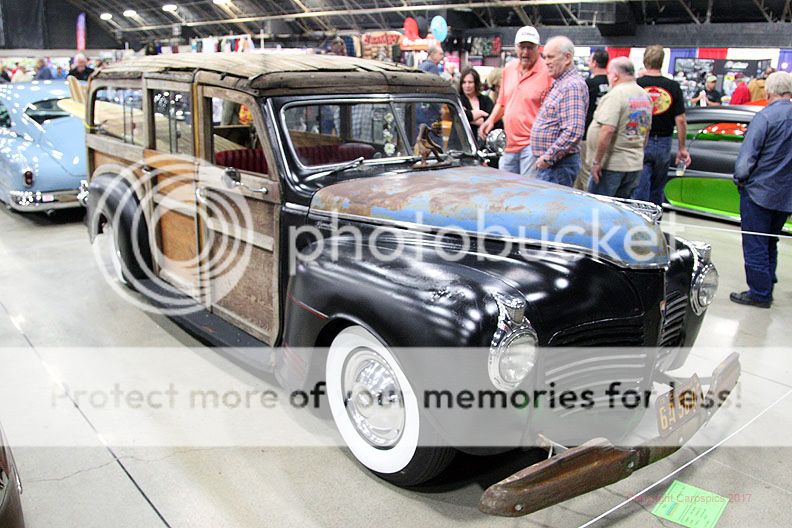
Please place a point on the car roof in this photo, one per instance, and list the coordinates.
(739, 113)
(22, 94)
(267, 71)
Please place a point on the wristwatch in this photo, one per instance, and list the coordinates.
(595, 162)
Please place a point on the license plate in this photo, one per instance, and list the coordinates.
(47, 197)
(678, 406)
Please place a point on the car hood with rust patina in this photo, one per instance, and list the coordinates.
(502, 205)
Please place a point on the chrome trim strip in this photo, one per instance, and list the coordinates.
(30, 201)
(490, 236)
(296, 207)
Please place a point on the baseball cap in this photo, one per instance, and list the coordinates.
(711, 78)
(527, 34)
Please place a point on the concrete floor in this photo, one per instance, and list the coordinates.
(87, 462)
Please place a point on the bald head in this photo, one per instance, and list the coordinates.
(620, 70)
(559, 55)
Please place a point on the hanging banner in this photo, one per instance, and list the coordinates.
(81, 32)
(379, 45)
(418, 44)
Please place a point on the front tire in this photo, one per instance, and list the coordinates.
(377, 413)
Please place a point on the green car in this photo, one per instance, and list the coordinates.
(714, 136)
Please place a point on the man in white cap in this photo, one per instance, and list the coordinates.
(524, 85)
(709, 96)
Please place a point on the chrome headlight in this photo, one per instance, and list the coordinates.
(705, 285)
(496, 141)
(513, 352)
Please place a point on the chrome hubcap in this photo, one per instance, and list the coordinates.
(373, 398)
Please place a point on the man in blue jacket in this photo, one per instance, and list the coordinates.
(763, 174)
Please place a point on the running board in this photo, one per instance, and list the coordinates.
(207, 327)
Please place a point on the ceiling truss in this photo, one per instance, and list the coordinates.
(328, 17)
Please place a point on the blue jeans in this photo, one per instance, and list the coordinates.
(655, 170)
(615, 183)
(521, 162)
(760, 252)
(563, 171)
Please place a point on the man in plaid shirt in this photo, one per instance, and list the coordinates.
(561, 122)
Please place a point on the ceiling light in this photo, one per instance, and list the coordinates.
(130, 13)
(170, 8)
(106, 16)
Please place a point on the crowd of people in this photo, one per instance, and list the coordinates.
(612, 135)
(45, 70)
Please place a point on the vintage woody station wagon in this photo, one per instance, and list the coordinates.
(283, 163)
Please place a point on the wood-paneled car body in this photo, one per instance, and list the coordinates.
(714, 136)
(320, 149)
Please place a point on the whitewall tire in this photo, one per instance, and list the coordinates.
(376, 410)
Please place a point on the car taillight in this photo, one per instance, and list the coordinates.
(28, 178)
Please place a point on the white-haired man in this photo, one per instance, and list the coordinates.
(524, 84)
(432, 62)
(618, 133)
(561, 122)
(80, 68)
(763, 174)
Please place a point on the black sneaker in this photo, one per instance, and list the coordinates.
(744, 298)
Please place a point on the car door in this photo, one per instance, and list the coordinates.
(172, 166)
(239, 201)
(708, 183)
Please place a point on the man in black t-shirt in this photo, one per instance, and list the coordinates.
(668, 109)
(81, 70)
(598, 86)
(709, 96)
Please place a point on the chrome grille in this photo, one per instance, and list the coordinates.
(624, 332)
(674, 322)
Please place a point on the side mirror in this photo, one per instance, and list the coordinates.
(496, 142)
(231, 177)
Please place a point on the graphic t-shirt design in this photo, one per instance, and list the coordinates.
(640, 117)
(661, 99)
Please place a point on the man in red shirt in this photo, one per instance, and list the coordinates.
(741, 94)
(524, 85)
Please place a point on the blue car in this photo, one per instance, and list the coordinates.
(42, 147)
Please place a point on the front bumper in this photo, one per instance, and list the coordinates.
(35, 201)
(597, 463)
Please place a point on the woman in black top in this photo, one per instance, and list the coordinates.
(477, 107)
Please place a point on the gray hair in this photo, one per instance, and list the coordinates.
(779, 83)
(623, 66)
(433, 49)
(564, 44)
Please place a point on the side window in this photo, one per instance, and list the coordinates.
(173, 121)
(5, 119)
(118, 113)
(235, 142)
(720, 131)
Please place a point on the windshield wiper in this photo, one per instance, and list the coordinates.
(346, 166)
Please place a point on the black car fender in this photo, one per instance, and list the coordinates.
(111, 196)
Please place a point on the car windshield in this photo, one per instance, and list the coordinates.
(45, 110)
(329, 133)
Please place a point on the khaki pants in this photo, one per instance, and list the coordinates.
(583, 175)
